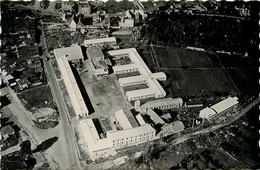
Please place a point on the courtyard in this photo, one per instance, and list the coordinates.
(105, 94)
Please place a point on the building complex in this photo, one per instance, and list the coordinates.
(146, 76)
(126, 135)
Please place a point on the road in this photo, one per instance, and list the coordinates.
(69, 151)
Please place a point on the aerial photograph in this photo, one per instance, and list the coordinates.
(130, 84)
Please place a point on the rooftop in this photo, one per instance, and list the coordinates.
(72, 53)
(95, 52)
(156, 119)
(225, 104)
(100, 41)
(161, 102)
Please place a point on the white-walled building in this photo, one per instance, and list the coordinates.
(115, 139)
(73, 53)
(162, 104)
(101, 42)
(154, 88)
(225, 104)
(75, 95)
(220, 107)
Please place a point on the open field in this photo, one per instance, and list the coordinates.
(198, 82)
(246, 80)
(169, 57)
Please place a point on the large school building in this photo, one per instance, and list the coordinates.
(146, 76)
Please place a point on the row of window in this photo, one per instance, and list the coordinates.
(134, 83)
(141, 97)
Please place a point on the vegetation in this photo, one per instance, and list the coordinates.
(37, 97)
(178, 29)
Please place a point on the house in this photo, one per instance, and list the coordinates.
(72, 24)
(84, 8)
(23, 83)
(7, 131)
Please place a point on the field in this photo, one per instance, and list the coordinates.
(246, 80)
(169, 57)
(191, 73)
(198, 82)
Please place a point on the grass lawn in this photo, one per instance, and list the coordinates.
(37, 97)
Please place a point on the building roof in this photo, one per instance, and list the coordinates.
(100, 41)
(177, 126)
(141, 92)
(156, 119)
(72, 53)
(225, 104)
(162, 102)
(159, 75)
(206, 113)
(194, 102)
(122, 119)
(91, 136)
(125, 67)
(75, 95)
(140, 119)
(143, 69)
(95, 52)
(6, 130)
(126, 133)
(133, 79)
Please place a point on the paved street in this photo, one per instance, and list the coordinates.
(68, 154)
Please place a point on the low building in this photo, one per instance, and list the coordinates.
(155, 118)
(73, 54)
(206, 113)
(140, 119)
(95, 54)
(225, 104)
(194, 103)
(7, 131)
(23, 83)
(162, 104)
(171, 128)
(101, 42)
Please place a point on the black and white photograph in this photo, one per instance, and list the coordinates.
(129, 84)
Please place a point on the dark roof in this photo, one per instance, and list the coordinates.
(86, 20)
(193, 102)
